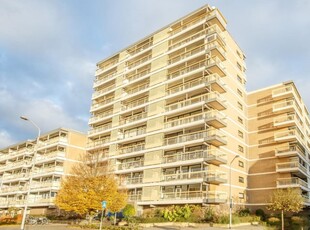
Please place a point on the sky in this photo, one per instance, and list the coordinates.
(49, 50)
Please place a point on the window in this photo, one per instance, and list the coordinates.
(241, 179)
(241, 164)
(239, 66)
(240, 134)
(240, 106)
(240, 120)
(240, 149)
(241, 195)
(239, 92)
(238, 53)
(239, 79)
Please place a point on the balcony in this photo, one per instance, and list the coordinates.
(137, 89)
(183, 176)
(289, 135)
(292, 182)
(216, 18)
(136, 75)
(215, 82)
(133, 133)
(101, 80)
(135, 103)
(140, 47)
(283, 92)
(133, 118)
(180, 139)
(200, 50)
(185, 86)
(216, 197)
(40, 201)
(13, 154)
(50, 156)
(18, 176)
(138, 62)
(216, 177)
(186, 25)
(216, 157)
(186, 71)
(102, 92)
(287, 120)
(286, 106)
(98, 142)
(102, 104)
(185, 42)
(134, 197)
(293, 166)
(14, 189)
(183, 121)
(216, 49)
(132, 148)
(45, 170)
(131, 165)
(215, 101)
(215, 119)
(186, 156)
(215, 137)
(100, 129)
(45, 185)
(101, 116)
(215, 65)
(290, 151)
(183, 195)
(17, 164)
(131, 181)
(105, 67)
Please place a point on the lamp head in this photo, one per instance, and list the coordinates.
(24, 118)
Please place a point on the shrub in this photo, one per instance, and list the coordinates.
(177, 213)
(273, 221)
(261, 214)
(129, 211)
(297, 220)
(244, 212)
(209, 214)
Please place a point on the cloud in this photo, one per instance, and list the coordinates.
(5, 139)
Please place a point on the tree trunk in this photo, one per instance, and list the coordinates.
(115, 218)
(282, 219)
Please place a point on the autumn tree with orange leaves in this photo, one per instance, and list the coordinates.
(87, 187)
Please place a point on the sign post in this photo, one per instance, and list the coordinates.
(104, 206)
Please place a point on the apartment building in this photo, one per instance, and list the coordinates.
(53, 158)
(279, 139)
(169, 114)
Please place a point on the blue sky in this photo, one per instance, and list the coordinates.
(49, 48)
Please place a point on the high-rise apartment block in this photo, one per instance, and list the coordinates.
(45, 164)
(171, 116)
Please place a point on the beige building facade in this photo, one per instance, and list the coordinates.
(169, 114)
(53, 158)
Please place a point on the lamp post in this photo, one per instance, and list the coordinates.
(31, 169)
(230, 198)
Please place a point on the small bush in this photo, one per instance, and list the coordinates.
(273, 221)
(129, 211)
(297, 220)
(209, 214)
(244, 212)
(261, 214)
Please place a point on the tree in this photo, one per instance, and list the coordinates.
(286, 200)
(129, 211)
(88, 185)
(117, 203)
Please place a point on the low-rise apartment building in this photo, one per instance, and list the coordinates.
(171, 116)
(53, 157)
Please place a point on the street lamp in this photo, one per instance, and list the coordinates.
(230, 199)
(32, 167)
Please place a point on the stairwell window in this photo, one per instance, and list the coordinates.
(240, 120)
(240, 106)
(241, 195)
(241, 179)
(239, 92)
(240, 133)
(240, 149)
(241, 164)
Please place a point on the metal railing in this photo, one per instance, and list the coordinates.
(133, 148)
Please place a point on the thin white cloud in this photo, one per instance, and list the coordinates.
(5, 139)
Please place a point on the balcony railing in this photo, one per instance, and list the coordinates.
(101, 115)
(185, 86)
(134, 133)
(288, 134)
(23, 163)
(50, 155)
(186, 120)
(184, 176)
(100, 128)
(133, 148)
(287, 105)
(134, 197)
(15, 176)
(44, 170)
(216, 156)
(101, 80)
(133, 118)
(187, 54)
(184, 156)
(137, 89)
(131, 164)
(138, 75)
(285, 119)
(46, 184)
(215, 197)
(187, 40)
(98, 142)
(188, 24)
(215, 119)
(216, 177)
(283, 91)
(134, 103)
(101, 92)
(132, 180)
(103, 103)
(16, 188)
(139, 62)
(186, 70)
(216, 61)
(289, 151)
(290, 166)
(140, 48)
(184, 103)
(184, 195)
(291, 182)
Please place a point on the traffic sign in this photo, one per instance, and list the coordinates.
(104, 204)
